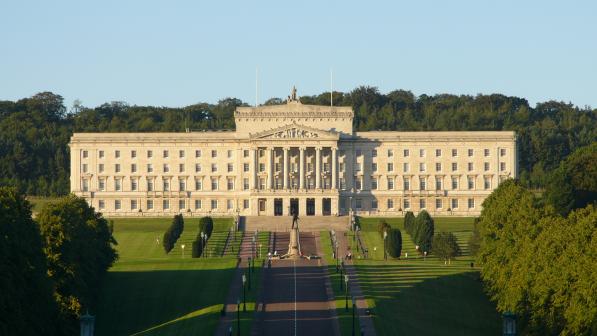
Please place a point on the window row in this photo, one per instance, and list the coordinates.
(165, 153)
(166, 204)
(423, 152)
(422, 167)
(407, 204)
(423, 183)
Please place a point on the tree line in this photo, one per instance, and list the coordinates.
(35, 131)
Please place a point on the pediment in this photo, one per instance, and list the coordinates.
(295, 131)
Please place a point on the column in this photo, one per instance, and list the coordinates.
(270, 160)
(318, 168)
(285, 171)
(334, 168)
(302, 168)
(255, 164)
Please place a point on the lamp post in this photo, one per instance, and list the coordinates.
(244, 293)
(238, 317)
(385, 254)
(356, 233)
(182, 247)
(336, 255)
(341, 271)
(346, 291)
(353, 315)
(250, 274)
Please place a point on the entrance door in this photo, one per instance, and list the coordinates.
(261, 207)
(294, 206)
(278, 207)
(327, 206)
(310, 206)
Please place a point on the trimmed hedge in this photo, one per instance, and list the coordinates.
(206, 225)
(409, 223)
(173, 233)
(394, 243)
(424, 231)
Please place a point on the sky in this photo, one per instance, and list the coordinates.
(177, 53)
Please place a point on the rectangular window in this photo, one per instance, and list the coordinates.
(198, 184)
(133, 204)
(181, 204)
(357, 167)
(261, 167)
(406, 153)
(390, 183)
(358, 152)
(246, 167)
(245, 204)
(341, 166)
(117, 154)
(405, 167)
(133, 168)
(84, 167)
(102, 204)
(149, 205)
(422, 203)
(438, 166)
(149, 185)
(181, 153)
(438, 183)
(197, 167)
(182, 185)
(502, 151)
(422, 183)
(358, 203)
(470, 166)
(438, 153)
(454, 183)
(214, 167)
(214, 204)
(197, 155)
(117, 184)
(117, 168)
(421, 153)
(390, 153)
(486, 183)
(373, 204)
(85, 185)
(165, 153)
(214, 153)
(101, 184)
(117, 205)
(100, 168)
(197, 204)
(357, 182)
(85, 154)
(390, 167)
(454, 152)
(166, 204)
(230, 184)
(502, 166)
(261, 183)
(245, 153)
(245, 184)
(149, 156)
(438, 203)
(471, 203)
(486, 166)
(373, 183)
(406, 184)
(374, 153)
(166, 185)
(486, 152)
(374, 167)
(149, 168)
(454, 203)
(230, 167)
(229, 153)
(471, 182)
(214, 184)
(470, 152)
(101, 154)
(229, 204)
(422, 167)
(133, 154)
(133, 184)
(166, 168)
(454, 166)
(390, 203)
(406, 203)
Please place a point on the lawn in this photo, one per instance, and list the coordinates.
(422, 296)
(148, 292)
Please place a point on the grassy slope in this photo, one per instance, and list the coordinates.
(150, 293)
(425, 297)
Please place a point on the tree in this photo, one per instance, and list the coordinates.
(173, 233)
(206, 225)
(26, 304)
(474, 242)
(78, 244)
(383, 226)
(424, 231)
(445, 246)
(409, 223)
(394, 243)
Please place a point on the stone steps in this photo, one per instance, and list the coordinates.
(306, 223)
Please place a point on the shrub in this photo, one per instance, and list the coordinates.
(197, 248)
(394, 243)
(409, 223)
(206, 225)
(424, 231)
(173, 233)
(445, 246)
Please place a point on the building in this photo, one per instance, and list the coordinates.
(290, 157)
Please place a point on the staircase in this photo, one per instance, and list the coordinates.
(306, 223)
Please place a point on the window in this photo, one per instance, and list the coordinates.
(214, 204)
(117, 154)
(341, 166)
(198, 184)
(101, 185)
(421, 153)
(502, 151)
(230, 167)
(406, 203)
(486, 166)
(390, 167)
(166, 204)
(133, 204)
(229, 204)
(197, 167)
(406, 153)
(229, 153)
(261, 183)
(181, 204)
(358, 203)
(373, 183)
(374, 153)
(357, 167)
(486, 183)
(261, 167)
(471, 203)
(181, 153)
(134, 184)
(374, 167)
(454, 152)
(358, 152)
(438, 203)
(357, 182)
(245, 153)
(422, 183)
(166, 168)
(85, 154)
(181, 167)
(422, 167)
(133, 154)
(470, 152)
(230, 184)
(454, 203)
(390, 203)
(117, 184)
(454, 183)
(182, 185)
(166, 185)
(165, 154)
(261, 152)
(373, 204)
(406, 185)
(471, 182)
(100, 168)
(454, 166)
(214, 167)
(85, 185)
(405, 167)
(102, 204)
(149, 205)
(117, 168)
(470, 166)
(214, 184)
(342, 183)
(197, 204)
(198, 154)
(133, 168)
(245, 184)
(422, 203)
(438, 183)
(438, 166)
(101, 154)
(149, 168)
(117, 205)
(390, 153)
(486, 152)
(502, 166)
(438, 153)
(390, 183)
(214, 153)
(326, 167)
(84, 167)
(245, 204)
(149, 156)
(149, 185)
(245, 167)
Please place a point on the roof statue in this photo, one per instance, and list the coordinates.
(293, 97)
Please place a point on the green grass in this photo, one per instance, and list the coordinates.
(424, 296)
(148, 292)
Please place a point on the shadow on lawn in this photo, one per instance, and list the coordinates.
(409, 301)
(180, 302)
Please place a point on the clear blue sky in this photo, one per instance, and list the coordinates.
(175, 53)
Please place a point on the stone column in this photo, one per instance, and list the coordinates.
(302, 168)
(255, 169)
(285, 169)
(318, 168)
(270, 171)
(334, 168)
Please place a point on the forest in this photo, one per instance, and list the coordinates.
(35, 131)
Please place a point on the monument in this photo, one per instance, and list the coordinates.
(294, 247)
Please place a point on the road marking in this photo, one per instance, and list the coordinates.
(295, 308)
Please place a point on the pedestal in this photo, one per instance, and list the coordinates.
(294, 248)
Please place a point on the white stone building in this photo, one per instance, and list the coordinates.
(287, 157)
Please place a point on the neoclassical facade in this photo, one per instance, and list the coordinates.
(290, 157)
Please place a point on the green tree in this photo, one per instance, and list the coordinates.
(425, 228)
(445, 246)
(394, 243)
(27, 306)
(409, 223)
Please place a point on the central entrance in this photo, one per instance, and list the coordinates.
(327, 206)
(294, 206)
(278, 207)
(310, 206)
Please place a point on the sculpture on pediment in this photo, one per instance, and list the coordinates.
(293, 97)
(294, 133)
